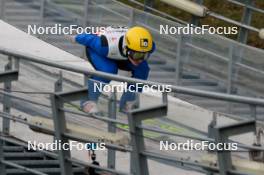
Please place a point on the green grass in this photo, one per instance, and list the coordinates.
(222, 7)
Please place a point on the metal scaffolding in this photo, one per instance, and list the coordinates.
(139, 154)
(66, 165)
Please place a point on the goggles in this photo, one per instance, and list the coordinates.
(137, 55)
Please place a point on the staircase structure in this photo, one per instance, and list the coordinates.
(44, 162)
(173, 63)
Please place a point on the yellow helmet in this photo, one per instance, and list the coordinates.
(138, 39)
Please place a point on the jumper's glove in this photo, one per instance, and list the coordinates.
(70, 38)
(90, 107)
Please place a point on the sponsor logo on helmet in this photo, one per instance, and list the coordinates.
(144, 43)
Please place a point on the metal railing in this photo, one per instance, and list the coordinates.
(245, 24)
(236, 67)
(139, 154)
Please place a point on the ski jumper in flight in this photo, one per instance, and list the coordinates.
(116, 48)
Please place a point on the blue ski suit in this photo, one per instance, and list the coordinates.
(97, 51)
